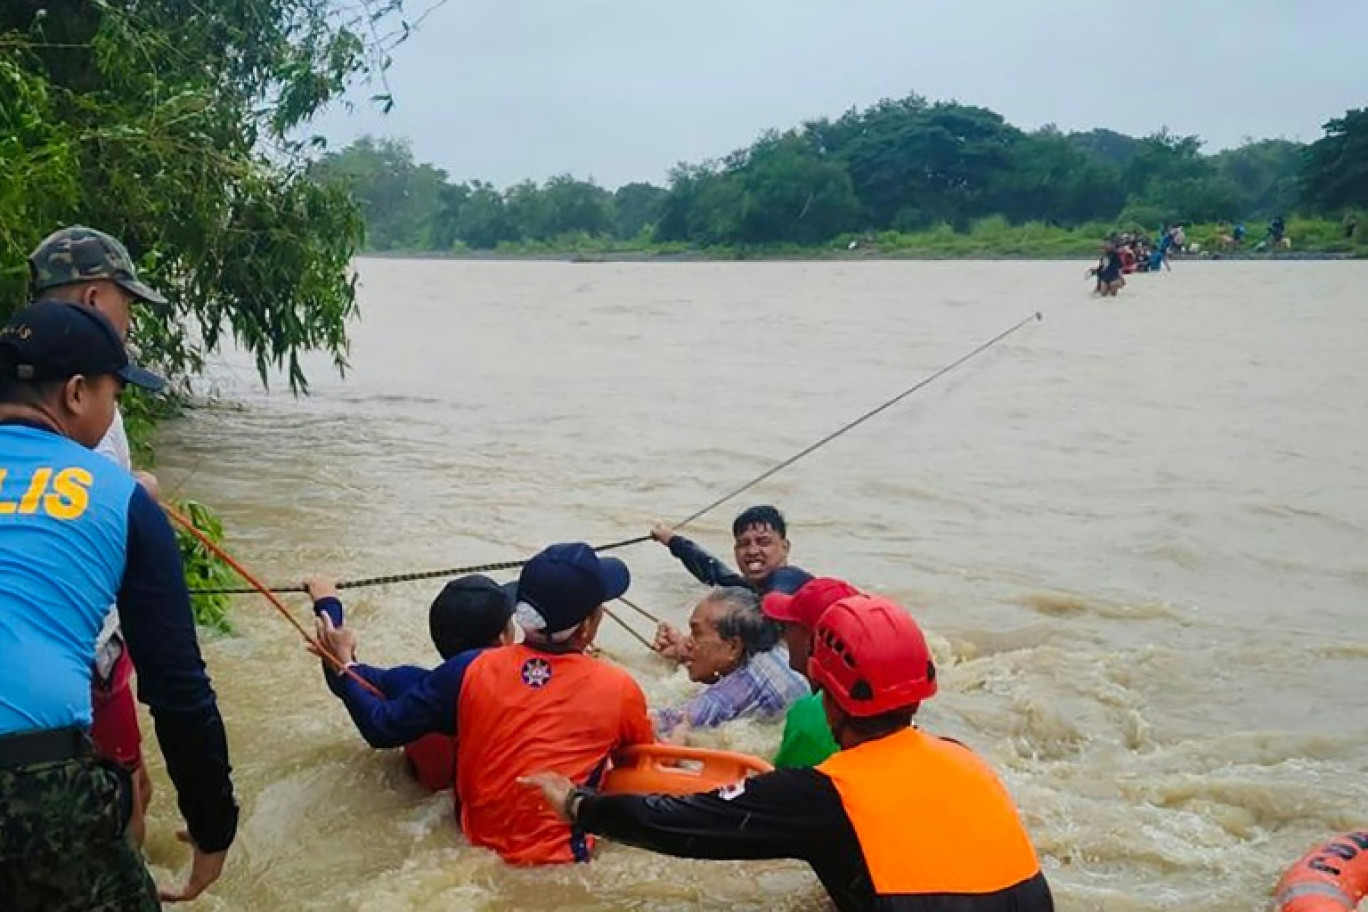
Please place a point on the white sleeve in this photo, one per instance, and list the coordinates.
(114, 444)
(108, 645)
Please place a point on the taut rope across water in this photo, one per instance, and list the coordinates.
(611, 546)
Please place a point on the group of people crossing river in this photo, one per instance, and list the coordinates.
(1130, 252)
(520, 718)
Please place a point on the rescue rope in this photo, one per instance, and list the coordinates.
(271, 597)
(368, 581)
(650, 647)
(639, 610)
(851, 425)
(699, 514)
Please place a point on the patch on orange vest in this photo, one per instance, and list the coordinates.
(536, 673)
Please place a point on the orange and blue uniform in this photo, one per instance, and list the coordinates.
(518, 710)
(524, 711)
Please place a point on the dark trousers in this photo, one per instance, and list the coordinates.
(64, 845)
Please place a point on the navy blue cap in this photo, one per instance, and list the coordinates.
(787, 580)
(54, 340)
(469, 613)
(564, 584)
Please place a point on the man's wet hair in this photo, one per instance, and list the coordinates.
(764, 515)
(741, 619)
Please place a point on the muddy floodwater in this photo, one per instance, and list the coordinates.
(1136, 533)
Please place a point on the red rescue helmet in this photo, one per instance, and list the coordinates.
(871, 657)
(806, 605)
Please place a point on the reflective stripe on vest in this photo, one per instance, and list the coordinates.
(931, 817)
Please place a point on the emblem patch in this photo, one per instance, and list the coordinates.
(536, 673)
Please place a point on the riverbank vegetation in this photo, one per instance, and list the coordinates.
(176, 126)
(905, 177)
(985, 239)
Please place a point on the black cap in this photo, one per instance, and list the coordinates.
(469, 613)
(54, 340)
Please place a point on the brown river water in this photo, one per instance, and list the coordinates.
(1136, 533)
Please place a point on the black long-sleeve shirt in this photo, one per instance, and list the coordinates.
(709, 570)
(789, 813)
(159, 628)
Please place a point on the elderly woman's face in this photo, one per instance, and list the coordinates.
(708, 656)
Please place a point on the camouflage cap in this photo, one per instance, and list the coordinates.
(80, 254)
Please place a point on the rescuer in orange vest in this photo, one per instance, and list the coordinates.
(896, 820)
(540, 705)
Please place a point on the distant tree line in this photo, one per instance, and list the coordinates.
(903, 165)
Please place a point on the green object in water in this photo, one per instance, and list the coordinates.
(807, 739)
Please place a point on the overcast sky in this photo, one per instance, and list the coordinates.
(621, 90)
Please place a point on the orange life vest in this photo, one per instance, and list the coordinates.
(931, 817)
(524, 711)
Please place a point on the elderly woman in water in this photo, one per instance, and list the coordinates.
(734, 649)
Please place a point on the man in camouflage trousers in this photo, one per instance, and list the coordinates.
(61, 838)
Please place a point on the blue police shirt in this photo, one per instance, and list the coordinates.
(63, 546)
(77, 532)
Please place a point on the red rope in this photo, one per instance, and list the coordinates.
(271, 597)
